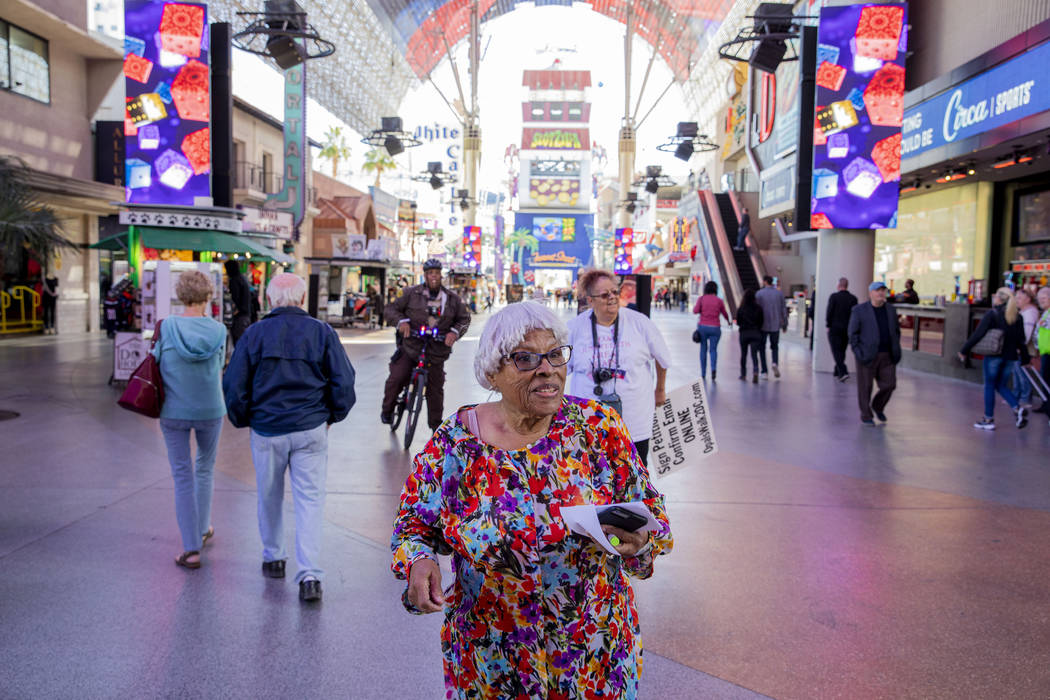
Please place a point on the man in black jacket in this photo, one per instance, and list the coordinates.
(241, 296)
(840, 304)
(875, 336)
(434, 306)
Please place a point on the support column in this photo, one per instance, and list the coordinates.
(471, 156)
(626, 160)
(840, 253)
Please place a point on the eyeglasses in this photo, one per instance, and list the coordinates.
(526, 361)
(606, 296)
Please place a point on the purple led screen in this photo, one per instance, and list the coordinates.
(860, 106)
(166, 123)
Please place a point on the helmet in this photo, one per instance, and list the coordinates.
(432, 264)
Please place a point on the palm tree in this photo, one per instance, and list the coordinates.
(378, 161)
(335, 148)
(25, 223)
(518, 241)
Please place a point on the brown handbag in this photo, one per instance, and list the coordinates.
(145, 390)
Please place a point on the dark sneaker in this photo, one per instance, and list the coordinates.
(880, 415)
(309, 590)
(754, 379)
(1022, 417)
(868, 422)
(386, 418)
(985, 424)
(714, 375)
(776, 371)
(273, 569)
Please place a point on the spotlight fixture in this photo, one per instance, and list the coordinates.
(435, 176)
(630, 203)
(391, 136)
(465, 200)
(769, 38)
(653, 180)
(282, 33)
(687, 141)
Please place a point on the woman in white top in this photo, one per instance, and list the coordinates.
(1029, 316)
(615, 351)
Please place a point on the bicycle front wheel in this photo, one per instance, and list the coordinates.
(399, 409)
(415, 407)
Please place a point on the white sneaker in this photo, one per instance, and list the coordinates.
(765, 375)
(985, 424)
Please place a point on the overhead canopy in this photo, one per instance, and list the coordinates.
(188, 239)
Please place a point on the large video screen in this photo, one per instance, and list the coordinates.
(551, 228)
(166, 124)
(859, 110)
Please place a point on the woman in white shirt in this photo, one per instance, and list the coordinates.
(1029, 316)
(615, 352)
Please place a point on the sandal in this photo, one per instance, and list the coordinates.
(184, 560)
(207, 536)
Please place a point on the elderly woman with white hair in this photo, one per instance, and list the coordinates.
(535, 610)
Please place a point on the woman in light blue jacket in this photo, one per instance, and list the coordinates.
(190, 352)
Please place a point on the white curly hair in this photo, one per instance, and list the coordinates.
(505, 331)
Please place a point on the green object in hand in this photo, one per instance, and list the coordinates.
(614, 541)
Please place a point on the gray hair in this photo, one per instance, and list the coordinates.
(505, 331)
(194, 287)
(286, 289)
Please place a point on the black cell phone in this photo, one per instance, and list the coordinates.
(621, 518)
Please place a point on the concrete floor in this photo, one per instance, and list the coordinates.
(815, 558)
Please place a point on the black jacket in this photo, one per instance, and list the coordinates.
(413, 306)
(840, 304)
(240, 295)
(749, 317)
(1014, 346)
(864, 333)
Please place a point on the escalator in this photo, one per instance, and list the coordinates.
(741, 258)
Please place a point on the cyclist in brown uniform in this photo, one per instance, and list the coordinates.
(432, 305)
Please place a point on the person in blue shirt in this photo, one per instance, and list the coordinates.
(289, 379)
(190, 353)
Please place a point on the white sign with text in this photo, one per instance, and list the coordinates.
(682, 431)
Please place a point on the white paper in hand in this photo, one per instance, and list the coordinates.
(583, 520)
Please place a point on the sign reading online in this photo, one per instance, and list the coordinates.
(166, 122)
(1014, 90)
(860, 98)
(682, 432)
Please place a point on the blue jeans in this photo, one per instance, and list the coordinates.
(193, 481)
(305, 455)
(996, 373)
(1021, 386)
(709, 336)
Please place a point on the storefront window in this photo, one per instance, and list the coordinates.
(25, 63)
(936, 239)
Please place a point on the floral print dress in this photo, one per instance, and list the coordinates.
(535, 611)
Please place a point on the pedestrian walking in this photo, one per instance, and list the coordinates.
(49, 302)
(1004, 320)
(749, 318)
(190, 353)
(743, 230)
(711, 309)
(875, 337)
(774, 320)
(1029, 312)
(840, 305)
(241, 297)
(289, 380)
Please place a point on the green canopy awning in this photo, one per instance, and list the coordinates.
(192, 239)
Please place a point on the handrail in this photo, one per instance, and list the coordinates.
(729, 274)
(26, 320)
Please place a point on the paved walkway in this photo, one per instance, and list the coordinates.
(814, 558)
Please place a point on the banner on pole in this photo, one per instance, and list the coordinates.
(682, 431)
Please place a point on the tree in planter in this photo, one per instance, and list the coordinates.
(25, 223)
(335, 148)
(379, 162)
(516, 243)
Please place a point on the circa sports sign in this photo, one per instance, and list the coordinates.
(1012, 91)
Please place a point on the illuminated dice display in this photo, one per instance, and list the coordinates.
(862, 178)
(197, 148)
(149, 137)
(863, 64)
(838, 145)
(830, 76)
(825, 183)
(146, 109)
(827, 52)
(137, 68)
(181, 29)
(855, 96)
(887, 156)
(819, 139)
(190, 91)
(837, 116)
(134, 45)
(173, 169)
(163, 90)
(884, 96)
(169, 59)
(879, 31)
(136, 173)
(820, 221)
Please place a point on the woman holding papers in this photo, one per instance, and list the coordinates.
(535, 609)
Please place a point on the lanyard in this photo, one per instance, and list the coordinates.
(596, 355)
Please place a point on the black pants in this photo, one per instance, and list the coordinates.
(643, 450)
(774, 348)
(49, 302)
(884, 373)
(239, 325)
(838, 339)
(752, 340)
(401, 373)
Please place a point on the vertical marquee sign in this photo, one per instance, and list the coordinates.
(292, 197)
(860, 108)
(167, 117)
(472, 247)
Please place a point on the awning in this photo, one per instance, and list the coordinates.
(192, 239)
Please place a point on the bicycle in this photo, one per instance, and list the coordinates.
(411, 398)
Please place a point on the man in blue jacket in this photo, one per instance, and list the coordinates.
(289, 379)
(875, 336)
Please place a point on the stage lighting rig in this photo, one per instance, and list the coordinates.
(768, 42)
(654, 179)
(282, 33)
(687, 141)
(465, 200)
(435, 176)
(391, 136)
